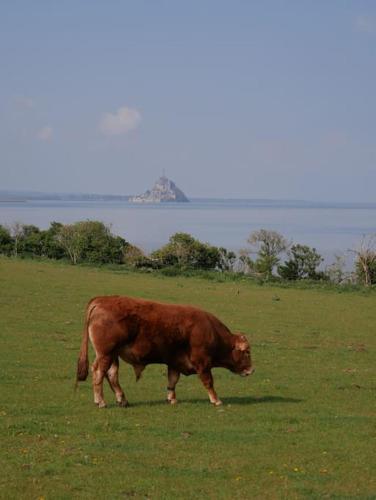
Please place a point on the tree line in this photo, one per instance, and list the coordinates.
(93, 242)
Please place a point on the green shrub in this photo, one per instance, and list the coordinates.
(302, 264)
(91, 241)
(184, 252)
(6, 241)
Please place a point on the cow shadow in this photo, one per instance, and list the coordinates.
(234, 400)
(253, 400)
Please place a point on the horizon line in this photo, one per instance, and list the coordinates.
(33, 192)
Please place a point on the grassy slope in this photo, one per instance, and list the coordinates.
(304, 426)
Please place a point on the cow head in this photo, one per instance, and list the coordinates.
(241, 356)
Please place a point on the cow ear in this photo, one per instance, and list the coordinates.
(241, 343)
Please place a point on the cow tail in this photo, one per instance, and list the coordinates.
(83, 360)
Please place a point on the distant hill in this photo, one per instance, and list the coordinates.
(164, 190)
(9, 195)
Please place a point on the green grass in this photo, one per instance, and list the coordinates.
(303, 426)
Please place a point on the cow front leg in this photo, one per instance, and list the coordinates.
(113, 379)
(99, 370)
(173, 377)
(207, 379)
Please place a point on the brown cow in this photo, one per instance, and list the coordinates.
(187, 339)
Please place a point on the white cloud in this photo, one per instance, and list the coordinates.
(45, 134)
(120, 122)
(24, 102)
(366, 24)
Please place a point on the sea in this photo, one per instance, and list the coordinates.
(331, 228)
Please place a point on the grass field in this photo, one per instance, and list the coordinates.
(303, 426)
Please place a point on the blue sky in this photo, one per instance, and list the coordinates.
(255, 99)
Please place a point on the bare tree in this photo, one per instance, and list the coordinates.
(16, 231)
(336, 271)
(366, 257)
(244, 264)
(268, 245)
(70, 238)
(133, 256)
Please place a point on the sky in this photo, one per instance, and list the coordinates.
(233, 99)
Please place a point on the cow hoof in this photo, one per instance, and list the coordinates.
(172, 401)
(123, 404)
(102, 404)
(218, 403)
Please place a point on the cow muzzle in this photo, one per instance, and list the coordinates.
(248, 371)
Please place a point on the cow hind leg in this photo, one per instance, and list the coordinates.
(99, 370)
(112, 376)
(173, 378)
(207, 380)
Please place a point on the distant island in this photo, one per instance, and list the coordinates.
(164, 190)
(158, 195)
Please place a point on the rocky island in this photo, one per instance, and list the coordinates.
(164, 190)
